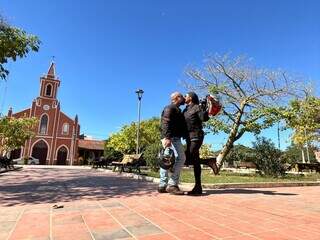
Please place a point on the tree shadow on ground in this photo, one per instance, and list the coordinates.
(245, 191)
(38, 186)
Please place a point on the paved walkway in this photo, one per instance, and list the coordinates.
(102, 206)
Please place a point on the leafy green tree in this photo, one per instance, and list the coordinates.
(267, 157)
(302, 116)
(249, 96)
(293, 154)
(125, 140)
(14, 43)
(14, 132)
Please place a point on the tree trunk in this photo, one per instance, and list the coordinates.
(231, 138)
(224, 152)
(228, 146)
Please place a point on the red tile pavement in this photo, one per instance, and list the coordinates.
(99, 205)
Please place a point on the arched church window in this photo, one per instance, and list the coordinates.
(48, 90)
(65, 129)
(43, 124)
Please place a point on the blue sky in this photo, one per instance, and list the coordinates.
(104, 50)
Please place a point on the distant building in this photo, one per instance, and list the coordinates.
(57, 136)
(90, 149)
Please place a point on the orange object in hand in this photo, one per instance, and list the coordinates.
(214, 106)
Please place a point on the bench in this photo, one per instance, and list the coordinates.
(245, 165)
(129, 162)
(6, 163)
(306, 166)
(101, 162)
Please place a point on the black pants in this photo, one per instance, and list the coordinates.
(193, 157)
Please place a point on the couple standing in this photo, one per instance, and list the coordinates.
(187, 124)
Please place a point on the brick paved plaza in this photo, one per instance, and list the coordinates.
(101, 205)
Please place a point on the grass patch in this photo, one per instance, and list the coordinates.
(230, 177)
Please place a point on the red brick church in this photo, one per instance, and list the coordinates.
(57, 135)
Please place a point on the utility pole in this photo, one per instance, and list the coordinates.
(307, 145)
(279, 135)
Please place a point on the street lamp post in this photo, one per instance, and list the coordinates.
(139, 92)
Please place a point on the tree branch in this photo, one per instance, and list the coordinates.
(234, 82)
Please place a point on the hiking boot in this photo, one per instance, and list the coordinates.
(162, 189)
(213, 165)
(196, 191)
(175, 190)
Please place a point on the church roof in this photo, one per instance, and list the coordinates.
(23, 113)
(91, 144)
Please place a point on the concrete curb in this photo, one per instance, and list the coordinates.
(205, 186)
(260, 185)
(57, 166)
(225, 185)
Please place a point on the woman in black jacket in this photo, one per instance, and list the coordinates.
(195, 115)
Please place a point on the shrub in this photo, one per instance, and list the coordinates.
(151, 156)
(238, 154)
(268, 157)
(112, 154)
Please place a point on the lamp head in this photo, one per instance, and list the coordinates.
(139, 92)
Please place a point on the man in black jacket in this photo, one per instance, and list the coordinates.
(173, 128)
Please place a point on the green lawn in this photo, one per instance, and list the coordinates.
(229, 177)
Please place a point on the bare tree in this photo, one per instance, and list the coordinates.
(251, 96)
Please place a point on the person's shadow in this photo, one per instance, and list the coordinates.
(243, 191)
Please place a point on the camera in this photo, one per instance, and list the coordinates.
(203, 102)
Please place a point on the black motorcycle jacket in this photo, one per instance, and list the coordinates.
(172, 122)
